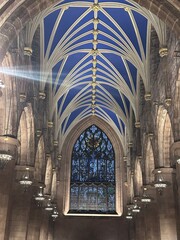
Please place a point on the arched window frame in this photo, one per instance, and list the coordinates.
(93, 173)
(66, 162)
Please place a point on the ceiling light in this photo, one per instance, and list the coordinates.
(49, 206)
(145, 198)
(25, 180)
(40, 196)
(160, 184)
(55, 213)
(4, 159)
(136, 208)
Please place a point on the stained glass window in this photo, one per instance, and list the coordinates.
(92, 173)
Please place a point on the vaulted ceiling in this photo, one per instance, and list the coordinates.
(94, 54)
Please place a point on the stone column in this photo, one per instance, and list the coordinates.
(166, 206)
(175, 154)
(151, 218)
(44, 226)
(139, 226)
(21, 203)
(8, 146)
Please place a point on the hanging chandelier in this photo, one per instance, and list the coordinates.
(40, 195)
(160, 184)
(5, 158)
(49, 206)
(25, 180)
(55, 213)
(135, 207)
(145, 198)
(129, 215)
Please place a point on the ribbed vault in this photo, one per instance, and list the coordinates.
(93, 55)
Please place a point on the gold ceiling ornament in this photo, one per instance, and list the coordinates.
(96, 7)
(93, 84)
(163, 51)
(93, 111)
(95, 32)
(93, 101)
(127, 9)
(94, 61)
(93, 106)
(95, 20)
(93, 91)
(94, 69)
(94, 78)
(93, 96)
(95, 42)
(65, 8)
(94, 52)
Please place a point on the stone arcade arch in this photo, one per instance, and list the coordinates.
(149, 163)
(39, 171)
(138, 181)
(48, 176)
(165, 137)
(177, 110)
(8, 101)
(26, 137)
(66, 161)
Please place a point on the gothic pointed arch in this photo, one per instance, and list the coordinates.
(67, 152)
(48, 176)
(8, 101)
(92, 173)
(54, 185)
(149, 163)
(40, 161)
(177, 110)
(165, 137)
(26, 137)
(138, 180)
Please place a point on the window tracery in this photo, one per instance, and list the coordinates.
(92, 173)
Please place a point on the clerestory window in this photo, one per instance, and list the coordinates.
(92, 183)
